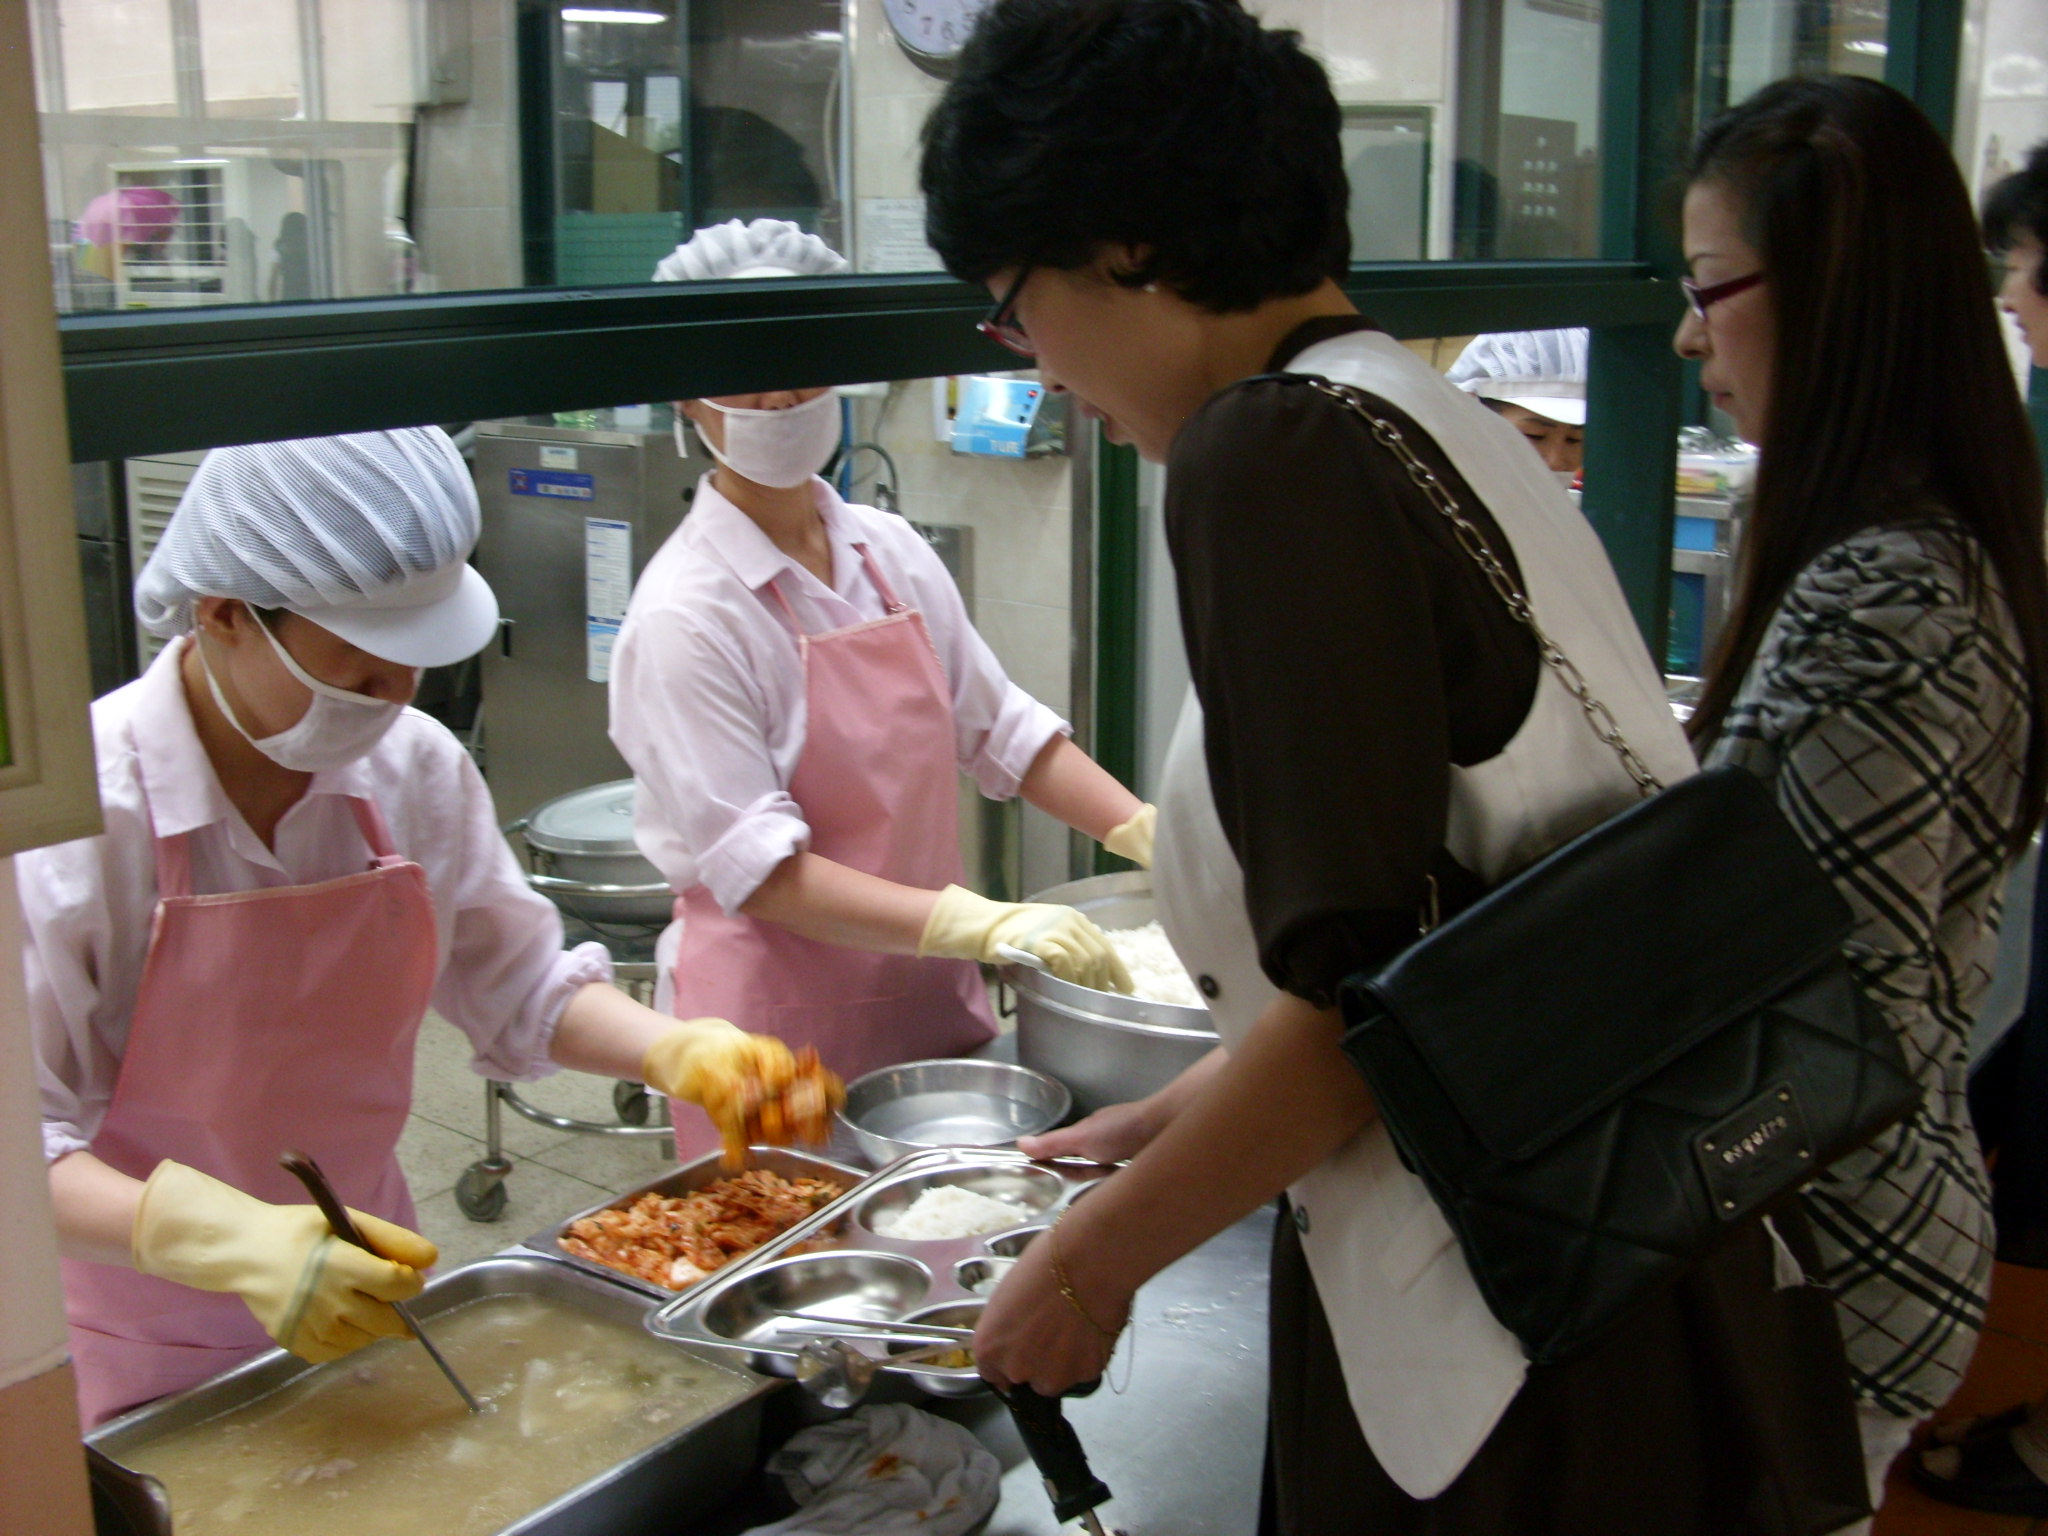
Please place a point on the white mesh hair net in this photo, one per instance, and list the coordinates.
(317, 523)
(1557, 357)
(764, 248)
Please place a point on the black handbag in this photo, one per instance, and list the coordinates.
(1613, 1058)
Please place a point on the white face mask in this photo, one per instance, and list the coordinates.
(337, 728)
(780, 448)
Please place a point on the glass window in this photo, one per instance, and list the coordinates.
(1527, 180)
(2002, 103)
(1745, 44)
(229, 151)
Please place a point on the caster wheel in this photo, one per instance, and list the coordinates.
(479, 1194)
(633, 1103)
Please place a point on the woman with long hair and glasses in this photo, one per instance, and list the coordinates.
(1882, 662)
(1153, 194)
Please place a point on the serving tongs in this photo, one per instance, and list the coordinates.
(307, 1172)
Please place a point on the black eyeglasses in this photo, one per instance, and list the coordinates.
(1704, 299)
(999, 325)
(1997, 264)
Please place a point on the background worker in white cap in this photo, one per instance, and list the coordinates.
(798, 687)
(294, 865)
(1537, 379)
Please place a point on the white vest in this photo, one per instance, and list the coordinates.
(1429, 1370)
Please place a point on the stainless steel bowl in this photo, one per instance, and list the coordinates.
(1033, 1191)
(862, 1287)
(1011, 1245)
(946, 1381)
(953, 1102)
(1107, 1048)
(974, 1274)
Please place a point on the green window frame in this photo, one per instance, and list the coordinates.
(155, 382)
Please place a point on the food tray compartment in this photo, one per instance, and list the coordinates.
(837, 1264)
(786, 1161)
(696, 1465)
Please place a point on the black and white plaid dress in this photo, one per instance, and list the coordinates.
(1888, 707)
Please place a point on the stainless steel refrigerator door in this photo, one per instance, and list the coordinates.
(544, 717)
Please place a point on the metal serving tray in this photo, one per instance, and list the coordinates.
(786, 1161)
(698, 1465)
(837, 1265)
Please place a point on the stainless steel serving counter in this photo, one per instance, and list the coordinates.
(1180, 1448)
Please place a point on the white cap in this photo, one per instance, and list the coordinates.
(366, 535)
(764, 248)
(1541, 371)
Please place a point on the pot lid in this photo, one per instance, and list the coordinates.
(597, 820)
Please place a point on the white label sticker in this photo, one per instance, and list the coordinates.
(892, 236)
(555, 456)
(607, 584)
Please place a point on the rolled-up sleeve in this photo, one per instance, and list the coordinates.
(999, 729)
(507, 977)
(692, 723)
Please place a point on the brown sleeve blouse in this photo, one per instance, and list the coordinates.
(1346, 652)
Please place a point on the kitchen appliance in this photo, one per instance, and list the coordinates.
(570, 519)
(1107, 1048)
(1706, 534)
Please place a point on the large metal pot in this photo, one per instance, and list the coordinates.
(1107, 1048)
(584, 859)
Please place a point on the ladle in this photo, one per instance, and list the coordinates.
(307, 1172)
(838, 1375)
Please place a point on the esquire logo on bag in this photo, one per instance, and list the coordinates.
(1742, 1156)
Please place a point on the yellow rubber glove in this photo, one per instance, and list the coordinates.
(1133, 840)
(319, 1297)
(964, 926)
(719, 1067)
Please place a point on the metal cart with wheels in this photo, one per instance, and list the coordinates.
(480, 1192)
(578, 851)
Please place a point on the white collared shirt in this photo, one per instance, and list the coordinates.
(87, 905)
(707, 691)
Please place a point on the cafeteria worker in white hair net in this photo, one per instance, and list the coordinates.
(797, 687)
(1537, 380)
(295, 865)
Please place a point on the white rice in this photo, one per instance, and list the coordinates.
(949, 1211)
(1156, 971)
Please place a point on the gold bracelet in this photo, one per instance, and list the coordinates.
(1059, 1278)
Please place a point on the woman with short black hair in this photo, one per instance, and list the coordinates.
(2016, 233)
(1153, 194)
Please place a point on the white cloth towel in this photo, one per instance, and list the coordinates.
(888, 1470)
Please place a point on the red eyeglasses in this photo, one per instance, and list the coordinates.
(1703, 299)
(999, 325)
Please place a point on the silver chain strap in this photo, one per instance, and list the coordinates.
(1598, 715)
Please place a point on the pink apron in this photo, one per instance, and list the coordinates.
(265, 1019)
(879, 788)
